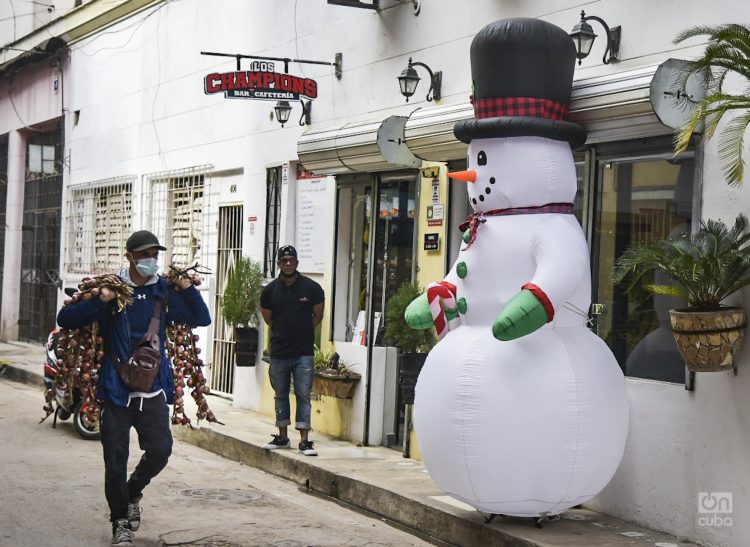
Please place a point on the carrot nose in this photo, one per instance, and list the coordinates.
(466, 176)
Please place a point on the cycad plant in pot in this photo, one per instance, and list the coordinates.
(707, 267)
(413, 344)
(240, 307)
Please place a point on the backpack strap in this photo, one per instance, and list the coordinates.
(153, 326)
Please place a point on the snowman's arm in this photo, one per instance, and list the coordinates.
(562, 261)
(561, 256)
(418, 315)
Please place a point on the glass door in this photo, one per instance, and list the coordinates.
(374, 257)
(638, 199)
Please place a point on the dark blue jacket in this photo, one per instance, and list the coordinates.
(122, 331)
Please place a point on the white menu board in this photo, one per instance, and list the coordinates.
(314, 224)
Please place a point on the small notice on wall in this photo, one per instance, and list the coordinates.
(314, 224)
(435, 214)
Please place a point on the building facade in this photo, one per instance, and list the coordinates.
(113, 119)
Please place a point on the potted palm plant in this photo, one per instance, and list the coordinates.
(332, 376)
(413, 344)
(727, 54)
(240, 307)
(707, 267)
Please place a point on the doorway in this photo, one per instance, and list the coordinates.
(40, 247)
(376, 217)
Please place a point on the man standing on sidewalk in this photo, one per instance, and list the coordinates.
(292, 305)
(154, 300)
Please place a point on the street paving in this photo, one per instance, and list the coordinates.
(53, 494)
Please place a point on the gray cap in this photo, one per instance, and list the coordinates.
(142, 240)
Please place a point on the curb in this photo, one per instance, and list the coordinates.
(18, 374)
(406, 512)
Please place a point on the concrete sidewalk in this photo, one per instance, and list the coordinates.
(376, 480)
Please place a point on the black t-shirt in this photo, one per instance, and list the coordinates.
(292, 333)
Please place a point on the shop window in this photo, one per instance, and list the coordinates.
(98, 224)
(639, 197)
(273, 220)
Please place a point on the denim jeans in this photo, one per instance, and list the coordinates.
(282, 372)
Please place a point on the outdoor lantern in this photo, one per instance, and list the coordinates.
(409, 79)
(282, 110)
(583, 36)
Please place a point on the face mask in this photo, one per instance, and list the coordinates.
(147, 267)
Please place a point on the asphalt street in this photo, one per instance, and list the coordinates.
(52, 494)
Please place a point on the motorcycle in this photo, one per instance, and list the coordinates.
(66, 405)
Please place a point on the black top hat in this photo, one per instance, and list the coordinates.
(522, 72)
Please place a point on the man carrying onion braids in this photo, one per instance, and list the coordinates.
(156, 303)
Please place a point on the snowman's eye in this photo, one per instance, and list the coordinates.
(481, 158)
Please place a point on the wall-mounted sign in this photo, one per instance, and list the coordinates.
(260, 82)
(431, 242)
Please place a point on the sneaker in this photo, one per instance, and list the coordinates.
(121, 533)
(306, 447)
(277, 442)
(134, 514)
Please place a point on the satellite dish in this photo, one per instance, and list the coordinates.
(672, 104)
(392, 143)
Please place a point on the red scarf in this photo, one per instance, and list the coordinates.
(475, 220)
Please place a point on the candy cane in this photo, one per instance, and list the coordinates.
(437, 294)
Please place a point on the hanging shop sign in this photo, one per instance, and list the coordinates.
(260, 82)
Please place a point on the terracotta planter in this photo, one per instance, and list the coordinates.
(332, 385)
(709, 341)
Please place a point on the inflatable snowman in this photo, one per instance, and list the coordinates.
(519, 409)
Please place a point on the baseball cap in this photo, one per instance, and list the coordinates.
(142, 240)
(286, 250)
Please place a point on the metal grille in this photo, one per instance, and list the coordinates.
(3, 203)
(273, 219)
(178, 213)
(98, 224)
(229, 251)
(40, 254)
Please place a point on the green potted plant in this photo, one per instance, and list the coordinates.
(240, 308)
(413, 344)
(706, 267)
(332, 376)
(726, 53)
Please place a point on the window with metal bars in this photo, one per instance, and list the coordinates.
(99, 220)
(273, 219)
(177, 213)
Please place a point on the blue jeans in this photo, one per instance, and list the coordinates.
(282, 372)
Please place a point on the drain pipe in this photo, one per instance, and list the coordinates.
(369, 312)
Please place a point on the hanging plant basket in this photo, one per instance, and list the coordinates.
(709, 341)
(335, 385)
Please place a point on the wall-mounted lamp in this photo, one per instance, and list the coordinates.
(409, 79)
(283, 110)
(583, 37)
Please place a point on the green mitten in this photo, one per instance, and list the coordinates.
(418, 315)
(521, 316)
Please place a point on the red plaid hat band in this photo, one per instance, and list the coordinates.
(495, 107)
